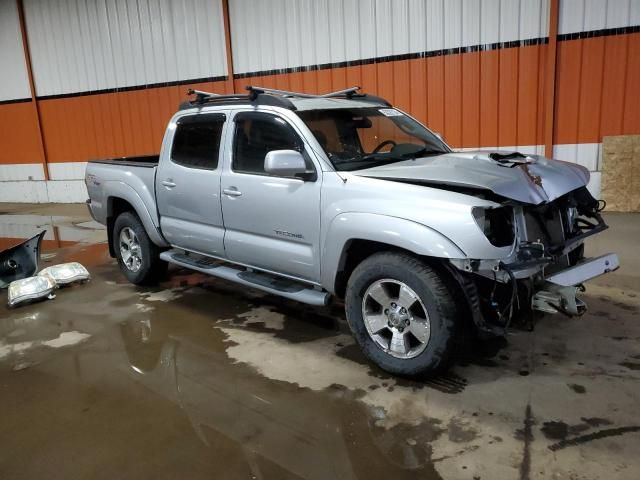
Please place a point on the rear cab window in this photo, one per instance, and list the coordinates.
(196, 141)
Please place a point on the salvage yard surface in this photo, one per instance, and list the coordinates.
(199, 378)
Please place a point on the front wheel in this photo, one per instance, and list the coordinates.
(138, 257)
(402, 314)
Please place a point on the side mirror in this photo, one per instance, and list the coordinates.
(285, 163)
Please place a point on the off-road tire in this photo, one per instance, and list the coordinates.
(152, 269)
(436, 296)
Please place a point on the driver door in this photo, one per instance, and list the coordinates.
(271, 222)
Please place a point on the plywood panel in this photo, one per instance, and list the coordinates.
(621, 173)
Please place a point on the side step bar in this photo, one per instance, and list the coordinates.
(259, 280)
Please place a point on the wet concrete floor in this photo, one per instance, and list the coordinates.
(199, 378)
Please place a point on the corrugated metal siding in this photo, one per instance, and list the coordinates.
(111, 124)
(14, 82)
(19, 137)
(282, 34)
(104, 44)
(114, 50)
(477, 98)
(597, 75)
(589, 15)
(473, 70)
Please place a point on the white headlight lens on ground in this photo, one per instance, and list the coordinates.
(66, 273)
(28, 289)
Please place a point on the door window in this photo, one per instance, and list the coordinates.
(196, 143)
(256, 135)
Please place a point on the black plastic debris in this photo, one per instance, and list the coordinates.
(20, 261)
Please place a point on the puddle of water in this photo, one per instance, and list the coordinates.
(61, 231)
(212, 374)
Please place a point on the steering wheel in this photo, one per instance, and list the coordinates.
(384, 144)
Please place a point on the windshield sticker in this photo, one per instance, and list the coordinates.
(390, 112)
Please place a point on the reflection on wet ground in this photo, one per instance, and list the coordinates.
(199, 378)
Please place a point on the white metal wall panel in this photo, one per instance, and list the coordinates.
(67, 170)
(21, 171)
(104, 44)
(26, 191)
(588, 15)
(281, 34)
(14, 81)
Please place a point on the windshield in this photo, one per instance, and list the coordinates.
(357, 138)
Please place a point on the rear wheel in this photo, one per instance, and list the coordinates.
(138, 257)
(402, 314)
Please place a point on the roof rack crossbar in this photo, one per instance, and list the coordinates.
(338, 93)
(202, 96)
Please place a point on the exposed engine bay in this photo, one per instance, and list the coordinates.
(546, 267)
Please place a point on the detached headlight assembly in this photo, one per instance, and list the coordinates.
(496, 224)
(66, 273)
(30, 289)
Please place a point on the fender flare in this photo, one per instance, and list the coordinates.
(398, 232)
(127, 193)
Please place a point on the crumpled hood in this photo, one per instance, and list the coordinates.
(536, 181)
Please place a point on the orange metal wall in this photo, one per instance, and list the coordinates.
(77, 129)
(475, 99)
(19, 138)
(597, 88)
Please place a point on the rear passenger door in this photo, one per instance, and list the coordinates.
(271, 222)
(188, 184)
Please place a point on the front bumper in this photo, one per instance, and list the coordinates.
(559, 292)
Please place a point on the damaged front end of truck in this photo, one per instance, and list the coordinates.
(546, 269)
(536, 214)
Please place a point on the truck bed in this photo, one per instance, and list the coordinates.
(140, 161)
(130, 179)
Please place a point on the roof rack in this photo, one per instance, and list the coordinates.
(274, 97)
(348, 93)
(203, 98)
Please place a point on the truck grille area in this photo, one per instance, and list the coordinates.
(545, 223)
(559, 227)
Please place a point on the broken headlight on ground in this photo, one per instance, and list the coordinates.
(65, 273)
(30, 289)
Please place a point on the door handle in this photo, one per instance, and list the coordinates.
(232, 192)
(168, 183)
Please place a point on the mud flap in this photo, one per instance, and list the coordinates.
(20, 261)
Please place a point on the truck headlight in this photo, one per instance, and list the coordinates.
(66, 273)
(496, 224)
(572, 215)
(28, 289)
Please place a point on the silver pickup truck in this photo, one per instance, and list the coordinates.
(341, 195)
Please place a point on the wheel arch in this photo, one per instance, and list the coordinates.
(125, 199)
(350, 239)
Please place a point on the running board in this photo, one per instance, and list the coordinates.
(259, 280)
